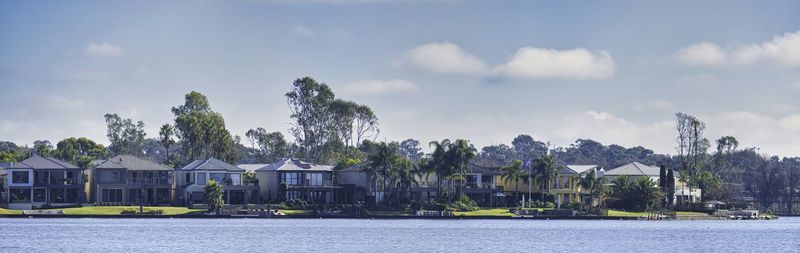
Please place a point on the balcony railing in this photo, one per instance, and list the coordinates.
(64, 181)
(474, 185)
(148, 180)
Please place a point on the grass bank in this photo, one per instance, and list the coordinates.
(9, 211)
(617, 213)
(116, 210)
(501, 212)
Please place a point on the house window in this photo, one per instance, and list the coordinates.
(112, 195)
(57, 177)
(290, 195)
(40, 177)
(20, 195)
(236, 178)
(291, 178)
(21, 177)
(219, 177)
(58, 196)
(162, 195)
(39, 195)
(201, 178)
(314, 179)
(133, 195)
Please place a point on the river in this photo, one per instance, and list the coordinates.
(408, 235)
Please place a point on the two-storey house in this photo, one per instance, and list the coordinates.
(129, 180)
(41, 181)
(289, 179)
(190, 181)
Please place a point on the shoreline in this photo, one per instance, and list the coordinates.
(380, 217)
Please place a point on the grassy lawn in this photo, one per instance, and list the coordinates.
(682, 213)
(487, 212)
(8, 211)
(296, 212)
(389, 213)
(116, 210)
(626, 214)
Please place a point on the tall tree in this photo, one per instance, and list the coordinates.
(124, 136)
(366, 123)
(309, 103)
(80, 151)
(42, 147)
(165, 134)
(670, 191)
(528, 149)
(411, 150)
(270, 146)
(547, 169)
(791, 182)
(765, 183)
(201, 131)
(515, 173)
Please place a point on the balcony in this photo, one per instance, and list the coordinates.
(65, 181)
(482, 185)
(149, 181)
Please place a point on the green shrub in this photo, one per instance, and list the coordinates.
(294, 204)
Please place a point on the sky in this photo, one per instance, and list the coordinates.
(612, 71)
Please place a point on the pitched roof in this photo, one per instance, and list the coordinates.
(132, 163)
(212, 164)
(291, 164)
(485, 170)
(252, 167)
(634, 169)
(577, 169)
(42, 163)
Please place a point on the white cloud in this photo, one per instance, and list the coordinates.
(791, 122)
(544, 63)
(103, 50)
(443, 58)
(608, 128)
(302, 30)
(382, 86)
(654, 105)
(703, 53)
(782, 50)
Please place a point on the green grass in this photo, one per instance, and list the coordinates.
(389, 213)
(296, 212)
(682, 213)
(626, 214)
(504, 212)
(116, 210)
(9, 211)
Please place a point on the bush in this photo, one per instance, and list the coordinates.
(464, 204)
(537, 204)
(294, 204)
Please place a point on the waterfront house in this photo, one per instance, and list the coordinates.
(129, 180)
(291, 178)
(636, 170)
(566, 186)
(190, 181)
(40, 181)
(355, 185)
(481, 184)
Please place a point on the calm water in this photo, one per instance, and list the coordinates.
(344, 235)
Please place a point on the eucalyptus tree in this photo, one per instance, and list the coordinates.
(80, 151)
(201, 131)
(124, 136)
(271, 147)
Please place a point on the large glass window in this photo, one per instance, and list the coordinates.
(291, 178)
(112, 176)
(20, 195)
(57, 177)
(219, 177)
(21, 177)
(39, 195)
(133, 195)
(58, 196)
(112, 195)
(162, 195)
(40, 177)
(236, 179)
(201, 178)
(314, 179)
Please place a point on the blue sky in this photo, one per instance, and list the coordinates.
(613, 71)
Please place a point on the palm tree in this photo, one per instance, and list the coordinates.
(547, 169)
(438, 164)
(645, 193)
(380, 164)
(684, 178)
(515, 173)
(213, 192)
(593, 184)
(463, 153)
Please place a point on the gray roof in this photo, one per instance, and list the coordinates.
(291, 164)
(132, 163)
(211, 164)
(42, 163)
(634, 169)
(252, 167)
(577, 169)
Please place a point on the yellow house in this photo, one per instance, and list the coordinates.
(565, 188)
